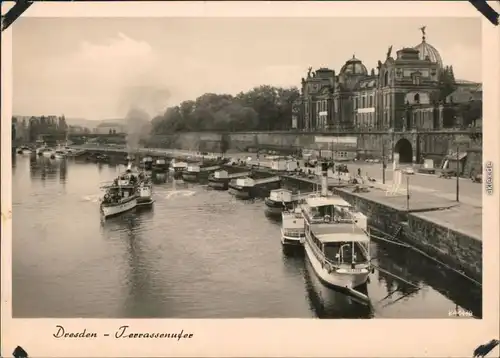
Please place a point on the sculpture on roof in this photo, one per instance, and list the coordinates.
(423, 32)
(389, 52)
(309, 72)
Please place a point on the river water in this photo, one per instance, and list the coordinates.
(197, 254)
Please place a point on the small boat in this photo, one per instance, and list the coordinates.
(293, 232)
(336, 246)
(177, 168)
(147, 162)
(24, 150)
(242, 188)
(102, 158)
(219, 180)
(145, 194)
(191, 173)
(59, 154)
(160, 165)
(45, 151)
(278, 201)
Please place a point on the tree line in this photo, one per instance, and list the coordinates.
(261, 108)
(43, 125)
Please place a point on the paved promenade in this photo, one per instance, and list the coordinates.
(460, 217)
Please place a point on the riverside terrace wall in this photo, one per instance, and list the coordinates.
(460, 250)
(433, 144)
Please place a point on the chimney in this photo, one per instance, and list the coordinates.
(324, 179)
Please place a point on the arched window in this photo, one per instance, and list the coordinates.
(416, 98)
(386, 79)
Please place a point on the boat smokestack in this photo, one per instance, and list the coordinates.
(324, 179)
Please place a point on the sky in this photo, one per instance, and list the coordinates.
(99, 68)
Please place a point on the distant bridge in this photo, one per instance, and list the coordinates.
(154, 152)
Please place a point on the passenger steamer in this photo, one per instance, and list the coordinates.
(143, 183)
(118, 199)
(336, 246)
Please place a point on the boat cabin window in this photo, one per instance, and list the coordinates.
(344, 252)
(331, 213)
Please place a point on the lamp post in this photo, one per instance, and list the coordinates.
(384, 165)
(458, 172)
(458, 142)
(407, 194)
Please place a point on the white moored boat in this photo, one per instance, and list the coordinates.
(60, 154)
(177, 168)
(336, 246)
(292, 228)
(145, 194)
(45, 151)
(25, 150)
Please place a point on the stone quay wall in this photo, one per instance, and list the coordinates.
(432, 144)
(458, 250)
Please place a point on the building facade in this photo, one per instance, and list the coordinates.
(402, 94)
(110, 127)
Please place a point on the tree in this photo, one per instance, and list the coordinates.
(470, 112)
(224, 143)
(447, 84)
(261, 108)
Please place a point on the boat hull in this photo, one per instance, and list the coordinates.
(291, 241)
(276, 208)
(190, 177)
(241, 192)
(145, 202)
(218, 184)
(334, 278)
(113, 210)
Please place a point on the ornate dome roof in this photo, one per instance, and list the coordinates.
(426, 50)
(354, 66)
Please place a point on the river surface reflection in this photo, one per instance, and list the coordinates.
(197, 254)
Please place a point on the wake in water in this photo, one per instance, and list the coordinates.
(179, 193)
(93, 198)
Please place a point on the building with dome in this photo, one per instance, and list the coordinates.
(403, 93)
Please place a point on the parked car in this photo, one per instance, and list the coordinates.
(408, 171)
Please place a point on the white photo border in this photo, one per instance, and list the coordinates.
(265, 337)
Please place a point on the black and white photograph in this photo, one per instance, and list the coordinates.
(326, 168)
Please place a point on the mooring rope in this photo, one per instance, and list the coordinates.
(399, 243)
(396, 276)
(390, 241)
